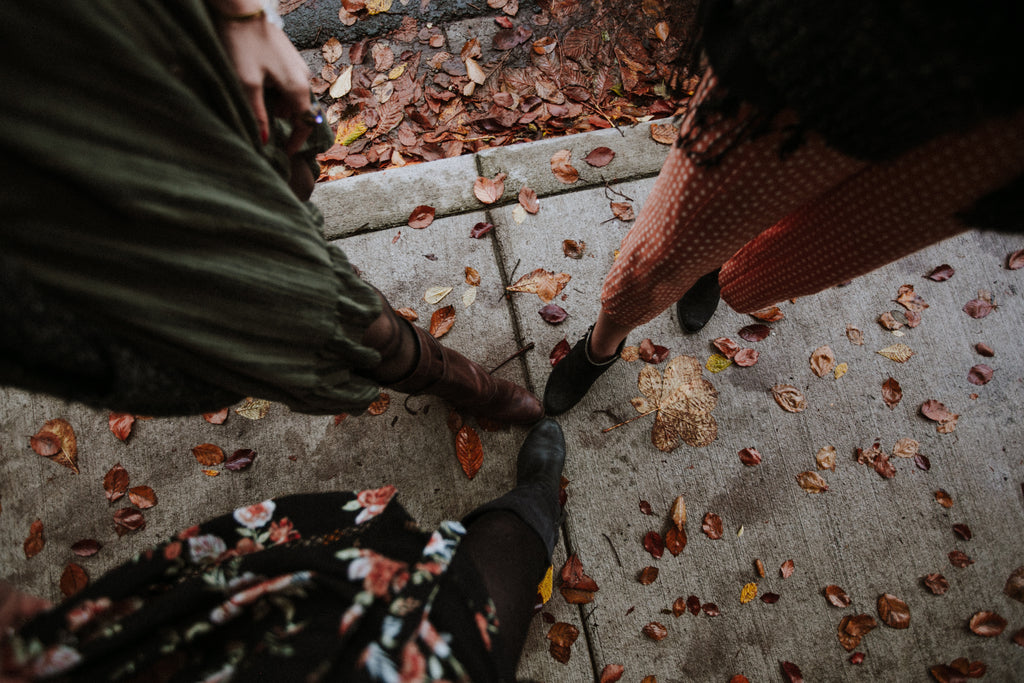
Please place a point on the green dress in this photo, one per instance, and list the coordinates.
(140, 206)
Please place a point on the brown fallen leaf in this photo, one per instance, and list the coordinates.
(1014, 587)
(115, 482)
(664, 133)
(489, 190)
(612, 673)
(746, 358)
(560, 351)
(675, 540)
(786, 570)
(254, 409)
(987, 624)
(889, 322)
(56, 440)
(825, 458)
(652, 353)
(789, 398)
(979, 375)
(127, 520)
(574, 249)
(823, 360)
(943, 498)
(759, 567)
(576, 587)
(959, 559)
(750, 457)
(771, 314)
(899, 353)
(892, 393)
(1015, 260)
(854, 335)
(87, 547)
(121, 425)
(421, 217)
(963, 531)
(35, 540)
(654, 544)
(544, 283)
(441, 321)
(655, 631)
(217, 418)
(770, 598)
(469, 450)
(755, 333)
(562, 635)
(978, 308)
(623, 211)
(905, 448)
(854, 627)
(73, 579)
(381, 405)
(836, 596)
(678, 513)
(683, 400)
(811, 482)
(648, 575)
(553, 313)
(936, 583)
(894, 612)
(599, 157)
(712, 526)
(528, 200)
(937, 412)
(562, 168)
(142, 497)
(940, 273)
(909, 299)
(792, 672)
(480, 229)
(984, 349)
(727, 347)
(207, 454)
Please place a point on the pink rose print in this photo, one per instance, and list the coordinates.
(172, 550)
(374, 501)
(205, 548)
(86, 612)
(188, 533)
(283, 531)
(255, 516)
(351, 617)
(57, 659)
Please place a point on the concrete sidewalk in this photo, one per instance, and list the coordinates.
(866, 534)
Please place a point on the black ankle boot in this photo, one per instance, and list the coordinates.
(538, 480)
(697, 306)
(572, 378)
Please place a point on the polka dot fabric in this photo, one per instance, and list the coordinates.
(784, 229)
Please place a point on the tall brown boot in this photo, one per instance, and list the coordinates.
(442, 372)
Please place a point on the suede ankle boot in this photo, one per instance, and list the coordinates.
(572, 378)
(696, 307)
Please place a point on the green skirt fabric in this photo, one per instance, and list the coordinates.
(136, 194)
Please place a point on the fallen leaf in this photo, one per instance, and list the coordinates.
(786, 569)
(836, 596)
(727, 347)
(789, 398)
(739, 678)
(750, 457)
(654, 544)
(854, 335)
(611, 673)
(978, 308)
(717, 363)
(652, 353)
(142, 497)
(544, 283)
(984, 350)
(979, 375)
(905, 448)
(211, 473)
(693, 604)
(562, 635)
(755, 333)
(940, 273)
(469, 450)
(577, 588)
(121, 425)
(811, 482)
(244, 457)
(73, 579)
(937, 412)
(746, 358)
(35, 541)
(922, 462)
(936, 583)
(56, 440)
(648, 575)
(341, 86)
(475, 73)
(683, 400)
(407, 313)
(825, 458)
(573, 249)
(87, 547)
(963, 531)
(217, 418)
(472, 276)
(712, 526)
(678, 513)
(852, 628)
(770, 598)
(207, 454)
(664, 133)
(900, 353)
(771, 314)
(528, 200)
(553, 313)
(480, 229)
(115, 482)
(421, 217)
(748, 593)
(892, 393)
(646, 508)
(563, 170)
(630, 354)
(434, 295)
(1014, 587)
(254, 409)
(350, 131)
(944, 673)
(331, 50)
(889, 322)
(822, 361)
(378, 6)
(1015, 260)
(943, 498)
(987, 624)
(655, 631)
(675, 540)
(441, 321)
(560, 351)
(599, 157)
(623, 211)
(127, 520)
(792, 672)
(909, 299)
(489, 190)
(893, 611)
(959, 559)
(759, 567)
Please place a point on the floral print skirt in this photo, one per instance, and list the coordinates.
(318, 587)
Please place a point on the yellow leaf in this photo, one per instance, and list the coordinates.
(661, 31)
(377, 6)
(545, 587)
(396, 72)
(254, 408)
(544, 283)
(841, 370)
(349, 131)
(717, 363)
(211, 473)
(748, 593)
(475, 73)
(434, 295)
(468, 297)
(900, 353)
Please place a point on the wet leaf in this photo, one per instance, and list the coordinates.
(441, 321)
(655, 631)
(378, 6)
(121, 425)
(984, 350)
(560, 351)
(792, 672)
(909, 299)
(940, 273)
(652, 353)
(893, 611)
(1014, 587)
(562, 168)
(489, 190)
(978, 308)
(959, 559)
(789, 398)
(115, 482)
(943, 498)
(900, 353)
(786, 569)
(675, 540)
(217, 418)
(727, 347)
(769, 315)
(1015, 260)
(936, 583)
(623, 211)
(544, 283)
(243, 458)
(678, 513)
(648, 575)
(712, 526)
(599, 157)
(664, 133)
(207, 454)
(434, 295)
(979, 375)
(35, 540)
(553, 313)
(811, 482)
(746, 358)
(836, 596)
(943, 673)
(56, 440)
(854, 335)
(528, 200)
(963, 531)
(562, 635)
(127, 520)
(421, 217)
(683, 400)
(612, 673)
(87, 547)
(750, 457)
(469, 450)
(654, 544)
(73, 579)
(825, 458)
(822, 361)
(755, 333)
(480, 229)
(892, 393)
(748, 593)
(254, 409)
(987, 624)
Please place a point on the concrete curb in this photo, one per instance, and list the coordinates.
(385, 199)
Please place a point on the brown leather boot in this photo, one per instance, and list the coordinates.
(448, 374)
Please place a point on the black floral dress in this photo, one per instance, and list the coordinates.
(338, 586)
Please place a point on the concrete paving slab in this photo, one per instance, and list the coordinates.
(867, 534)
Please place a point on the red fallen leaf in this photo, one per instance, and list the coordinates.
(87, 547)
(528, 200)
(786, 569)
(142, 497)
(45, 444)
(922, 462)
(612, 672)
(654, 544)
(56, 440)
(940, 273)
(648, 575)
(553, 313)
(936, 411)
(489, 190)
(216, 418)
(750, 457)
(978, 308)
(943, 673)
(121, 425)
(480, 229)
(675, 540)
(745, 358)
(984, 350)
(127, 520)
(712, 526)
(769, 315)
(976, 669)
(562, 169)
(652, 353)
(645, 508)
(979, 375)
(1015, 261)
(421, 217)
(987, 624)
(599, 157)
(727, 347)
(893, 611)
(623, 211)
(240, 459)
(573, 576)
(679, 607)
(115, 482)
(655, 631)
(770, 598)
(959, 559)
(739, 678)
(503, 22)
(836, 596)
(755, 333)
(936, 583)
(207, 454)
(693, 604)
(73, 580)
(892, 393)
(943, 498)
(469, 450)
(35, 541)
(380, 406)
(560, 351)
(792, 672)
(441, 321)
(854, 627)
(857, 658)
(963, 531)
